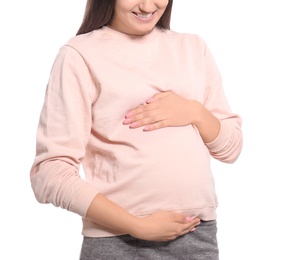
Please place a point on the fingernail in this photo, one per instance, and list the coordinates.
(146, 128)
(133, 125)
(189, 219)
(149, 100)
(127, 121)
(193, 229)
(129, 114)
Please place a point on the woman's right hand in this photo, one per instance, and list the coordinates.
(159, 226)
(164, 226)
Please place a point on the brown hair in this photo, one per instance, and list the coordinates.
(99, 13)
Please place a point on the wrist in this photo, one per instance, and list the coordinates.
(135, 227)
(206, 123)
(197, 111)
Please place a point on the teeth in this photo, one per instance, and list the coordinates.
(144, 16)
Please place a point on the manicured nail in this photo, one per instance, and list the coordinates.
(127, 121)
(146, 128)
(129, 114)
(133, 125)
(193, 230)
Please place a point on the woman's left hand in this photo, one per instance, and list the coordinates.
(164, 109)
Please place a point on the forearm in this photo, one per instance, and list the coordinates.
(106, 213)
(207, 124)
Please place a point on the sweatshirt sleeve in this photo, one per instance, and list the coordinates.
(63, 132)
(228, 144)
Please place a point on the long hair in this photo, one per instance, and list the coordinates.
(99, 13)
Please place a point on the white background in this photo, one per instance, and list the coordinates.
(246, 39)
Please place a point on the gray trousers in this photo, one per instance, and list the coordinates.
(198, 245)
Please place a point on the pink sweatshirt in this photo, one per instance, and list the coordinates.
(95, 80)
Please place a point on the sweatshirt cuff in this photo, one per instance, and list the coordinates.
(222, 138)
(83, 202)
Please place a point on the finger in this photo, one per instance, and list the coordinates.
(161, 95)
(189, 228)
(153, 120)
(196, 221)
(140, 109)
(184, 229)
(135, 116)
(154, 126)
(148, 124)
(180, 218)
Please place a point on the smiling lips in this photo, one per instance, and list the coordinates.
(145, 16)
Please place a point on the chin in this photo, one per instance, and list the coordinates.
(143, 31)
